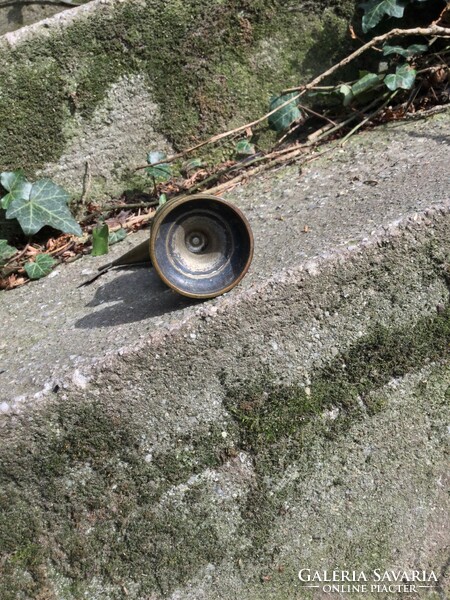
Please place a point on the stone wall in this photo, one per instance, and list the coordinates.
(97, 87)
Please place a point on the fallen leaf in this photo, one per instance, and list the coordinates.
(33, 251)
(197, 176)
(118, 220)
(11, 282)
(41, 267)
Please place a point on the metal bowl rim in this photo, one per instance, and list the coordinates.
(168, 208)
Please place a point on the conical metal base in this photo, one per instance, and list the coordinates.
(138, 255)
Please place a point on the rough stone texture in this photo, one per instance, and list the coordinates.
(103, 144)
(215, 449)
(63, 79)
(14, 15)
(372, 183)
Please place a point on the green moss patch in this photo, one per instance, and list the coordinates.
(101, 511)
(267, 413)
(33, 108)
(278, 424)
(207, 65)
(84, 499)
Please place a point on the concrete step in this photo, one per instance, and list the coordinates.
(184, 450)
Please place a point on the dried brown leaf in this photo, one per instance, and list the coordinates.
(12, 281)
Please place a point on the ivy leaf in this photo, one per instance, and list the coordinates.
(42, 265)
(16, 184)
(403, 78)
(46, 205)
(283, 118)
(244, 148)
(100, 238)
(161, 172)
(346, 91)
(6, 251)
(368, 81)
(405, 52)
(117, 236)
(374, 11)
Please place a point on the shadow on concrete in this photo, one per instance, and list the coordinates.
(133, 296)
(440, 138)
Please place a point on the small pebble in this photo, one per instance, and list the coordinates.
(79, 379)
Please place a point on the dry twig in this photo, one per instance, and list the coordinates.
(433, 30)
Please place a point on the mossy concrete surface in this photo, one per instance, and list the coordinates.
(103, 84)
(299, 422)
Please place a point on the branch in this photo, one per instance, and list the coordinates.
(220, 136)
(368, 118)
(433, 30)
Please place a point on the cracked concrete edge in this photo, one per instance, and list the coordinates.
(45, 27)
(228, 306)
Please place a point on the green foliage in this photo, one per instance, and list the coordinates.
(286, 115)
(100, 238)
(162, 200)
(408, 52)
(244, 148)
(346, 91)
(41, 266)
(403, 78)
(37, 204)
(17, 186)
(366, 82)
(160, 172)
(375, 10)
(6, 252)
(117, 236)
(405, 74)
